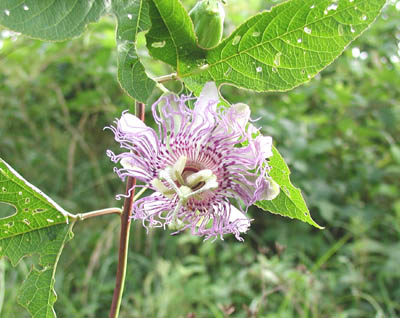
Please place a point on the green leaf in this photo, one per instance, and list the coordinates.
(133, 18)
(54, 20)
(158, 39)
(280, 49)
(172, 38)
(289, 202)
(39, 226)
(58, 20)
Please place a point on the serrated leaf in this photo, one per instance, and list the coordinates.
(133, 18)
(39, 226)
(280, 49)
(54, 20)
(172, 38)
(158, 39)
(289, 202)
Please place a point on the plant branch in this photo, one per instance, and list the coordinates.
(166, 78)
(124, 235)
(92, 214)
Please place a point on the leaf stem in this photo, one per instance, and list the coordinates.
(124, 235)
(137, 196)
(92, 214)
(166, 78)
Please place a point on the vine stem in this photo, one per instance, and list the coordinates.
(166, 78)
(124, 236)
(92, 214)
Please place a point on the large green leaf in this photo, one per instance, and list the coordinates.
(172, 38)
(39, 226)
(158, 39)
(58, 20)
(53, 20)
(133, 18)
(289, 202)
(280, 49)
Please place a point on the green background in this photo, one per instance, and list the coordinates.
(339, 134)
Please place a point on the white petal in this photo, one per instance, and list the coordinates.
(206, 106)
(235, 120)
(153, 206)
(258, 149)
(136, 171)
(243, 224)
(271, 192)
(130, 124)
(264, 145)
(174, 121)
(208, 94)
(238, 115)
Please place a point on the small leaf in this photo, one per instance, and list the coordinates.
(54, 20)
(280, 49)
(289, 202)
(39, 226)
(133, 18)
(172, 38)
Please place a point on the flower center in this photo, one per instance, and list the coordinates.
(187, 174)
(185, 180)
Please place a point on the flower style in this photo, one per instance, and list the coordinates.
(202, 160)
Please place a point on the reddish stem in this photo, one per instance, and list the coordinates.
(124, 236)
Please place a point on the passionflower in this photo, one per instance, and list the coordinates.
(206, 164)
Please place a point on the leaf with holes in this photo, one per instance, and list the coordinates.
(58, 20)
(289, 202)
(171, 38)
(133, 18)
(280, 49)
(39, 226)
(54, 20)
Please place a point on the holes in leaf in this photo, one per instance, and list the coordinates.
(236, 40)
(6, 210)
(39, 210)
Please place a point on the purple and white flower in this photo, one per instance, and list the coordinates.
(201, 161)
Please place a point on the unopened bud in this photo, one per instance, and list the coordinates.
(208, 20)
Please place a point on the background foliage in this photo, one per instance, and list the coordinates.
(339, 134)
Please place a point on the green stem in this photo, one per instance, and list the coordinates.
(324, 258)
(138, 195)
(166, 78)
(92, 214)
(124, 236)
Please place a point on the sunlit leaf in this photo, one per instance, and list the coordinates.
(172, 38)
(54, 20)
(38, 226)
(133, 18)
(158, 39)
(280, 49)
(289, 202)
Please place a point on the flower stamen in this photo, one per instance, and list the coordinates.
(184, 185)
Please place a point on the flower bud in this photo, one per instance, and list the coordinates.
(208, 20)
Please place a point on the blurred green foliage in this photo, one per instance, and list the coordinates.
(340, 134)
